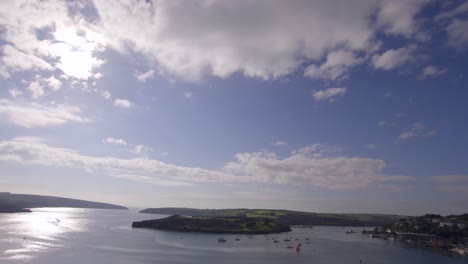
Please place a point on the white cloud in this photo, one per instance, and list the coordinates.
(47, 35)
(188, 94)
(141, 149)
(397, 16)
(33, 114)
(123, 103)
(393, 58)
(263, 39)
(39, 85)
(106, 94)
(215, 37)
(299, 168)
(417, 130)
(329, 94)
(36, 88)
(280, 143)
(459, 10)
(456, 23)
(34, 151)
(15, 92)
(14, 60)
(458, 34)
(115, 141)
(431, 71)
(53, 83)
(335, 67)
(143, 76)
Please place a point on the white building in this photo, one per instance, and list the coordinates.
(446, 224)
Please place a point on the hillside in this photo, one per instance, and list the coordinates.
(224, 225)
(286, 217)
(10, 202)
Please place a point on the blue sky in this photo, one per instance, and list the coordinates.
(326, 106)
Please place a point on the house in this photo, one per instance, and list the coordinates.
(446, 224)
(461, 225)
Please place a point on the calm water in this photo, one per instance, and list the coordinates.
(65, 235)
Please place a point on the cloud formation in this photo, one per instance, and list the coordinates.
(308, 165)
(393, 58)
(115, 141)
(30, 115)
(456, 24)
(263, 39)
(141, 149)
(280, 143)
(329, 94)
(143, 76)
(123, 103)
(47, 36)
(432, 71)
(417, 130)
(304, 167)
(335, 67)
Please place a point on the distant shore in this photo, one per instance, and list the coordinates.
(286, 217)
(22, 203)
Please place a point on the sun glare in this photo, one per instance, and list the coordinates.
(76, 52)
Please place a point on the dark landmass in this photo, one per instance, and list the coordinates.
(450, 232)
(222, 225)
(13, 203)
(285, 217)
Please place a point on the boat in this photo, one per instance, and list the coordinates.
(221, 240)
(298, 247)
(237, 239)
(275, 241)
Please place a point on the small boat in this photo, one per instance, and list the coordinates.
(290, 247)
(221, 239)
(275, 241)
(286, 240)
(237, 239)
(298, 247)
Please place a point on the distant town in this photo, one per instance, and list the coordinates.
(450, 232)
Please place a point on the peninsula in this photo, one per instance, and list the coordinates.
(224, 225)
(285, 217)
(15, 203)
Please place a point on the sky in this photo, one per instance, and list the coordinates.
(323, 106)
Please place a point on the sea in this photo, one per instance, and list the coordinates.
(78, 236)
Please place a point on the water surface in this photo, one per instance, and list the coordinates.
(65, 235)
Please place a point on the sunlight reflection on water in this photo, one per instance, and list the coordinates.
(30, 233)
